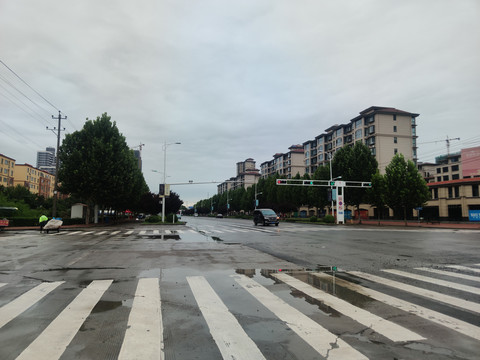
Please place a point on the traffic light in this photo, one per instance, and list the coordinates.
(332, 183)
(307, 182)
(366, 184)
(281, 182)
(162, 190)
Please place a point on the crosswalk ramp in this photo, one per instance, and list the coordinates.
(242, 315)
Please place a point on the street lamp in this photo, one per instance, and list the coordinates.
(165, 174)
(256, 194)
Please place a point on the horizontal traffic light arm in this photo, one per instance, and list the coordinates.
(297, 182)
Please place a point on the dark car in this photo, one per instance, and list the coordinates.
(265, 217)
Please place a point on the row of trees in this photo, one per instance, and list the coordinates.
(401, 188)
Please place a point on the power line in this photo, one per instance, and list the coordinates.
(36, 92)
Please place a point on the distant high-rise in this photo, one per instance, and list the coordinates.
(46, 160)
(138, 156)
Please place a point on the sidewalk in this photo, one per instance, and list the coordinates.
(413, 223)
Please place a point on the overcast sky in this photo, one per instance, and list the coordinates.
(235, 79)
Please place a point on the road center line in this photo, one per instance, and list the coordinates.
(144, 335)
(387, 328)
(26, 300)
(324, 342)
(53, 341)
(231, 339)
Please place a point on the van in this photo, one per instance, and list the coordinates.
(265, 217)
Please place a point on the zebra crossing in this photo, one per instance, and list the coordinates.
(206, 230)
(145, 331)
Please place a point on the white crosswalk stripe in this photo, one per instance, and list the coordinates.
(52, 342)
(229, 336)
(464, 268)
(143, 334)
(451, 300)
(450, 273)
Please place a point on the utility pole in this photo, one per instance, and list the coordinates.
(55, 188)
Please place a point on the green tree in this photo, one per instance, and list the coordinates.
(355, 164)
(98, 166)
(376, 194)
(405, 187)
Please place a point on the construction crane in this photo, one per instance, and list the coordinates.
(447, 140)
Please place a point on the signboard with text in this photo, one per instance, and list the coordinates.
(474, 215)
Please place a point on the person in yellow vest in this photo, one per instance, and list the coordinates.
(42, 221)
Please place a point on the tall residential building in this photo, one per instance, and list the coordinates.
(287, 164)
(35, 180)
(247, 175)
(46, 160)
(7, 170)
(138, 156)
(385, 130)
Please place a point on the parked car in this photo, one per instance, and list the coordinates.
(265, 217)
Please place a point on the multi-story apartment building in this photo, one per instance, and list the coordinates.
(35, 180)
(247, 175)
(46, 160)
(386, 131)
(454, 181)
(289, 164)
(7, 170)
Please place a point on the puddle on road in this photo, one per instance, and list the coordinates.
(184, 237)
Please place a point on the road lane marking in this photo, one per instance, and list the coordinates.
(143, 232)
(130, 232)
(231, 339)
(53, 341)
(168, 232)
(86, 233)
(384, 327)
(101, 233)
(26, 300)
(156, 232)
(414, 309)
(115, 232)
(470, 289)
(2, 284)
(450, 273)
(465, 268)
(144, 335)
(447, 299)
(74, 233)
(324, 342)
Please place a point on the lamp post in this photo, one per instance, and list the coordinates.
(165, 174)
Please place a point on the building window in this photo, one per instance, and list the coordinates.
(439, 178)
(454, 167)
(435, 193)
(395, 140)
(394, 117)
(457, 191)
(450, 192)
(358, 134)
(395, 151)
(455, 177)
(475, 190)
(394, 128)
(439, 170)
(445, 177)
(445, 169)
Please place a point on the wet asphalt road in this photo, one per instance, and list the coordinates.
(224, 281)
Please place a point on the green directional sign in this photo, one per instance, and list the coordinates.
(334, 268)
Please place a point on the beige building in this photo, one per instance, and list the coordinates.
(7, 170)
(289, 164)
(36, 181)
(386, 131)
(247, 175)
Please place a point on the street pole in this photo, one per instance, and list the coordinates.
(55, 188)
(331, 177)
(165, 175)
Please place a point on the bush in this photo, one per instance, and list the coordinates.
(169, 218)
(329, 219)
(313, 219)
(154, 219)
